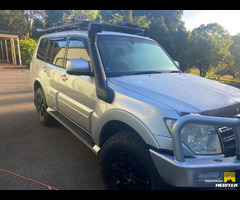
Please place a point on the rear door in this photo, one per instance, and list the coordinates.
(55, 67)
(44, 70)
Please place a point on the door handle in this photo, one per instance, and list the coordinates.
(64, 77)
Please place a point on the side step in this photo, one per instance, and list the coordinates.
(77, 131)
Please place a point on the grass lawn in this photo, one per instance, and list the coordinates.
(227, 79)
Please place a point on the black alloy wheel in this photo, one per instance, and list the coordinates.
(126, 164)
(41, 107)
(128, 172)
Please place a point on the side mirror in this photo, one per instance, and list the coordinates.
(78, 67)
(177, 63)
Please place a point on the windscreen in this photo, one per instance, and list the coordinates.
(123, 55)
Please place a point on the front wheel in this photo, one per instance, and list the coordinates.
(126, 164)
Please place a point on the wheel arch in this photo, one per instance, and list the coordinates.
(36, 85)
(115, 120)
(39, 84)
(111, 128)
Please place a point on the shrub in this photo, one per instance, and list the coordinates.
(27, 47)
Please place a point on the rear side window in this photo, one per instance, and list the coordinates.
(56, 51)
(42, 49)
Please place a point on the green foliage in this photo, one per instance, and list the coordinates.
(235, 50)
(19, 20)
(27, 47)
(128, 17)
(116, 19)
(125, 16)
(37, 23)
(167, 28)
(141, 21)
(13, 20)
(52, 16)
(91, 15)
(210, 48)
(231, 70)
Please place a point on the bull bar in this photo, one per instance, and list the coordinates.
(202, 171)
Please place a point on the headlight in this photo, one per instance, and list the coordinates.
(201, 139)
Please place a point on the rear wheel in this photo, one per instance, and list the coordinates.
(41, 107)
(126, 164)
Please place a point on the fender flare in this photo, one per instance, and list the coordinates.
(127, 118)
(41, 84)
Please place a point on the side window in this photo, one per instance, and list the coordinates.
(77, 49)
(42, 49)
(56, 51)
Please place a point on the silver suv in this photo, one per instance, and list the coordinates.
(126, 99)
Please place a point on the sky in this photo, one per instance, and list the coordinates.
(229, 19)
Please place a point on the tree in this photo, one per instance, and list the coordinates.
(20, 21)
(30, 15)
(170, 18)
(181, 51)
(210, 48)
(91, 15)
(127, 17)
(230, 70)
(169, 31)
(37, 23)
(13, 20)
(165, 26)
(52, 16)
(116, 19)
(116, 16)
(235, 50)
(107, 15)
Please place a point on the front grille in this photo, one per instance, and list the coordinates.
(228, 141)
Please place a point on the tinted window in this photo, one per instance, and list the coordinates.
(42, 49)
(77, 49)
(130, 55)
(56, 51)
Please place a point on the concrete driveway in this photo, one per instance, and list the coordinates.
(51, 155)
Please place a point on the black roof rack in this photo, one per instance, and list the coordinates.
(77, 26)
(123, 27)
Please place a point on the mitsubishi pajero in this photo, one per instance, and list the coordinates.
(121, 94)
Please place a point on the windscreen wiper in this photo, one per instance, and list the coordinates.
(147, 72)
(174, 71)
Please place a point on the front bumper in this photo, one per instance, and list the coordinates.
(194, 172)
(202, 171)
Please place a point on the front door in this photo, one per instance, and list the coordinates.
(77, 93)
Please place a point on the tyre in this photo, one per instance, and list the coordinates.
(126, 164)
(41, 107)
